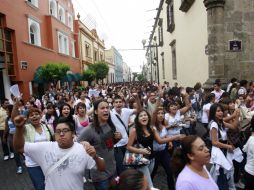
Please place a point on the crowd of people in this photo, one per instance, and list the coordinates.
(117, 135)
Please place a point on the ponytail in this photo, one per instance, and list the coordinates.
(180, 157)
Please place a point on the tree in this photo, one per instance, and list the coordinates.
(89, 75)
(101, 70)
(53, 71)
(141, 77)
(135, 75)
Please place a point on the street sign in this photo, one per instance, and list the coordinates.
(235, 45)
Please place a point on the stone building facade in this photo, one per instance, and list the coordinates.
(230, 39)
(194, 40)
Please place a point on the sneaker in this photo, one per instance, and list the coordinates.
(6, 158)
(240, 185)
(11, 155)
(19, 170)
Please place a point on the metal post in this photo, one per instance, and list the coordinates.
(151, 65)
(157, 60)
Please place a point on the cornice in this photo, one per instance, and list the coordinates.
(214, 3)
(209, 4)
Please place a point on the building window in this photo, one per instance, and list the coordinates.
(34, 32)
(73, 48)
(6, 48)
(61, 15)
(95, 55)
(170, 16)
(163, 65)
(88, 50)
(173, 52)
(34, 2)
(53, 8)
(101, 56)
(70, 22)
(63, 43)
(160, 32)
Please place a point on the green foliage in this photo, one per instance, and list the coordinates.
(141, 77)
(101, 70)
(89, 75)
(53, 71)
(135, 75)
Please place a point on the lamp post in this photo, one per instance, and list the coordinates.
(156, 58)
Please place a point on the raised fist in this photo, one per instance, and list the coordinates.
(19, 121)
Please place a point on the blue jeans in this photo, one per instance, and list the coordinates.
(37, 177)
(102, 185)
(147, 170)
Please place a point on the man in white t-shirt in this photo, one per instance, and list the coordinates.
(67, 174)
(217, 91)
(120, 117)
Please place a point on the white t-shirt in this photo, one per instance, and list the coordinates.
(174, 120)
(223, 132)
(206, 108)
(69, 175)
(125, 115)
(217, 94)
(249, 149)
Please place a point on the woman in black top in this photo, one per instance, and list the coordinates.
(143, 135)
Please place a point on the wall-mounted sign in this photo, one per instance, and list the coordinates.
(23, 65)
(235, 45)
(206, 50)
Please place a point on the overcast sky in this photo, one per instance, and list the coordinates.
(121, 23)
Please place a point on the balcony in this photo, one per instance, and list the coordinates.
(87, 60)
(185, 5)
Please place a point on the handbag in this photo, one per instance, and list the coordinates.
(132, 159)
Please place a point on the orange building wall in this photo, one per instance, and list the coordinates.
(16, 12)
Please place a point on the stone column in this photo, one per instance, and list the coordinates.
(215, 26)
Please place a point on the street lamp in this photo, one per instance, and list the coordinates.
(156, 58)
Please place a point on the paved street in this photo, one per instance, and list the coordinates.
(9, 180)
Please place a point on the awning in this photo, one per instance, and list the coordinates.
(77, 77)
(68, 78)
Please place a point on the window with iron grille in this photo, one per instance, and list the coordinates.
(170, 16)
(6, 48)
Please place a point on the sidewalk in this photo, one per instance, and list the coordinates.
(9, 180)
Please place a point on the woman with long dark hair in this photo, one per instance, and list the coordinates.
(143, 135)
(189, 162)
(67, 112)
(220, 146)
(102, 135)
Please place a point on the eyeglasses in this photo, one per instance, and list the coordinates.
(59, 131)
